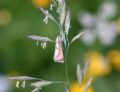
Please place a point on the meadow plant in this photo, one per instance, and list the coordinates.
(100, 26)
(62, 45)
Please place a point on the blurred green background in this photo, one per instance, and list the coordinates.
(20, 56)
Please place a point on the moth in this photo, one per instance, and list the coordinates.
(58, 55)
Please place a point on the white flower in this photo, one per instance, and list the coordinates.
(89, 37)
(106, 32)
(99, 26)
(86, 19)
(4, 84)
(108, 10)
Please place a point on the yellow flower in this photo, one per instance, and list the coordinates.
(5, 17)
(13, 73)
(114, 57)
(42, 3)
(75, 87)
(118, 26)
(99, 67)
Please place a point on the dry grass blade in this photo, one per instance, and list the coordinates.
(47, 14)
(60, 4)
(40, 84)
(79, 74)
(88, 84)
(87, 66)
(54, 2)
(39, 38)
(35, 90)
(67, 89)
(62, 14)
(67, 22)
(77, 37)
(23, 78)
